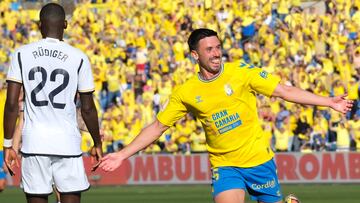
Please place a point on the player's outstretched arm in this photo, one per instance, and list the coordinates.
(89, 114)
(10, 116)
(147, 136)
(297, 95)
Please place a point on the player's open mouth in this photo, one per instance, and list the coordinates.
(215, 61)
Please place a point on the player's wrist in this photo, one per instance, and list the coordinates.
(330, 102)
(8, 143)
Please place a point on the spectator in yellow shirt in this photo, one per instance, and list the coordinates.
(198, 141)
(281, 139)
(342, 137)
(113, 86)
(153, 148)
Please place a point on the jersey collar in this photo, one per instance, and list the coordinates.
(212, 79)
(52, 40)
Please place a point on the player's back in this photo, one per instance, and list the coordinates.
(49, 72)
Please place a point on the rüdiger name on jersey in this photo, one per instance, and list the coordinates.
(40, 51)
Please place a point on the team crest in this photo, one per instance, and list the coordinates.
(228, 90)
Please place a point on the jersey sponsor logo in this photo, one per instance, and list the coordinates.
(225, 121)
(268, 184)
(230, 127)
(263, 74)
(198, 99)
(228, 90)
(219, 115)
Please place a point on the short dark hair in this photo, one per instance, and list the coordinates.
(199, 34)
(52, 12)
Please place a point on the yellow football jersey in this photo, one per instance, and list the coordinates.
(226, 107)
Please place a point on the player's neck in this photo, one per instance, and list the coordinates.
(209, 76)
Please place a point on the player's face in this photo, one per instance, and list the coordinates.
(208, 54)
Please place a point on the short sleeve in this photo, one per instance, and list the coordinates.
(14, 73)
(174, 110)
(86, 80)
(263, 82)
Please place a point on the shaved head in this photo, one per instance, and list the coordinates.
(52, 12)
(52, 21)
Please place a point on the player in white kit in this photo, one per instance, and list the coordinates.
(51, 73)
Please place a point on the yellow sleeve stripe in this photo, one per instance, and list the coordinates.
(14, 80)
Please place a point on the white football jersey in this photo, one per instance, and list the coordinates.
(51, 72)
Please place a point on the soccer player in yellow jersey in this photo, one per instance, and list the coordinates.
(223, 98)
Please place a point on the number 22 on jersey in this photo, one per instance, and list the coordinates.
(43, 82)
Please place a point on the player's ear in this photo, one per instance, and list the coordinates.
(195, 55)
(65, 24)
(39, 24)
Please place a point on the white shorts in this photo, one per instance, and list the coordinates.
(39, 173)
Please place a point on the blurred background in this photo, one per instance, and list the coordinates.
(138, 52)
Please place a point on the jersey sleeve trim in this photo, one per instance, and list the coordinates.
(86, 91)
(13, 80)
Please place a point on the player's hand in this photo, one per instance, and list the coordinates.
(111, 161)
(97, 153)
(11, 160)
(341, 104)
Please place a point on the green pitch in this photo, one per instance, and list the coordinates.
(316, 193)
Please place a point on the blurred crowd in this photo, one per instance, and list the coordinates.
(138, 53)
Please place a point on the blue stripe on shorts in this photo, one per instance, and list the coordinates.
(2, 172)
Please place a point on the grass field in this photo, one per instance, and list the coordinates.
(315, 193)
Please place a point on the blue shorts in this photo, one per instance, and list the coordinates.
(261, 181)
(2, 172)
